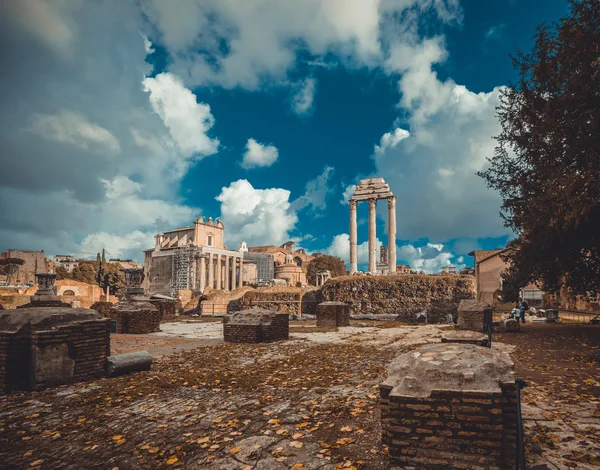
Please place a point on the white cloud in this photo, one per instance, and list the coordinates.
(256, 216)
(390, 140)
(315, 195)
(347, 194)
(433, 167)
(302, 102)
(188, 121)
(259, 155)
(240, 43)
(80, 112)
(430, 258)
(147, 44)
(340, 247)
(128, 246)
(73, 128)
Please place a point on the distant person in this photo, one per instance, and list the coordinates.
(515, 312)
(523, 307)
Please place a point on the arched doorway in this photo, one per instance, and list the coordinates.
(68, 296)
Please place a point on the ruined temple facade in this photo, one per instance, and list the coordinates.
(194, 258)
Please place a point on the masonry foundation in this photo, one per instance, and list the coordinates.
(256, 326)
(450, 406)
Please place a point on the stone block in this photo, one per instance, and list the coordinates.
(511, 325)
(135, 317)
(256, 326)
(450, 406)
(471, 314)
(47, 346)
(333, 314)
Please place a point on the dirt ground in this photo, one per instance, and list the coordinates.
(312, 401)
(561, 404)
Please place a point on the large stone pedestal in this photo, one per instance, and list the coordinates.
(450, 406)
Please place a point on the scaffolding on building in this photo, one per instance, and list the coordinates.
(182, 265)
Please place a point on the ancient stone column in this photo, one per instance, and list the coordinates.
(211, 271)
(219, 272)
(353, 238)
(372, 235)
(227, 268)
(241, 275)
(392, 234)
(233, 273)
(202, 273)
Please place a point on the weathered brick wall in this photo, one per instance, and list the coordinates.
(471, 314)
(241, 333)
(135, 317)
(451, 429)
(15, 352)
(404, 296)
(256, 327)
(294, 302)
(88, 345)
(102, 308)
(333, 314)
(282, 301)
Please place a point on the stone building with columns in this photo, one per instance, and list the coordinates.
(372, 190)
(192, 258)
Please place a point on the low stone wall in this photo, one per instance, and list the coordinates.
(256, 326)
(13, 301)
(135, 317)
(404, 296)
(293, 302)
(333, 314)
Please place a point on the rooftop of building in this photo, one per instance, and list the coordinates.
(482, 255)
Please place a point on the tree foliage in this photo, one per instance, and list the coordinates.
(94, 272)
(325, 262)
(546, 165)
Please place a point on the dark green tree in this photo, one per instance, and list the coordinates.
(546, 165)
(325, 262)
(62, 273)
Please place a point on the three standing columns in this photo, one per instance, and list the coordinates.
(373, 235)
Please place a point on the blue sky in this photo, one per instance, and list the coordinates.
(122, 119)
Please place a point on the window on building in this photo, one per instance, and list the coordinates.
(210, 240)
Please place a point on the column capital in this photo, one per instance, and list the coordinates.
(372, 202)
(391, 201)
(352, 203)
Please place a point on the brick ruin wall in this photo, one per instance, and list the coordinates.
(332, 315)
(140, 320)
(86, 345)
(294, 302)
(404, 296)
(277, 329)
(451, 429)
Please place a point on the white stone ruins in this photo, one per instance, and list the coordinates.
(372, 189)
